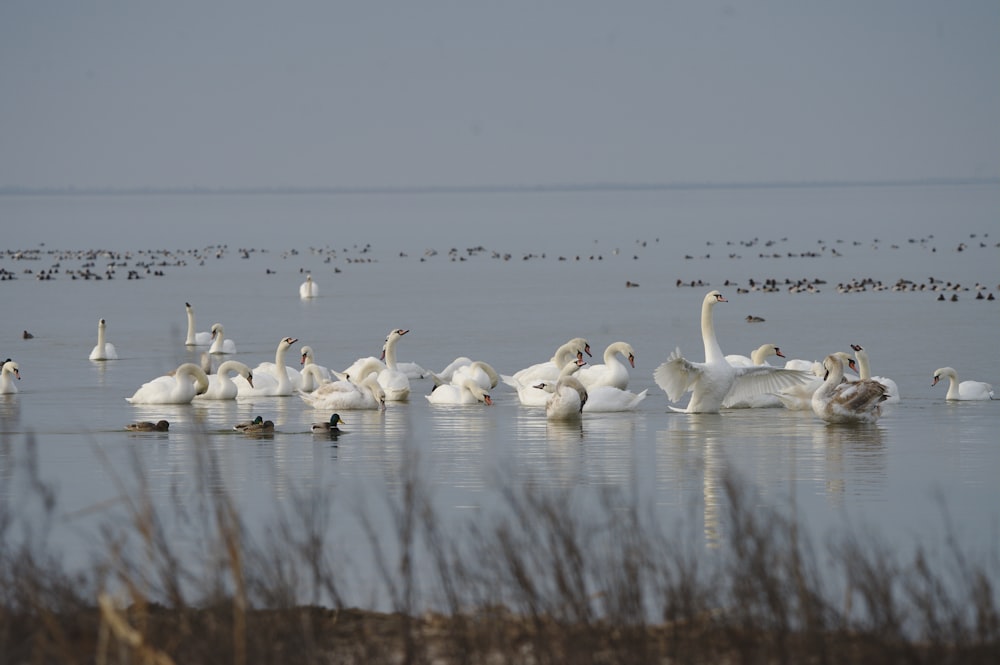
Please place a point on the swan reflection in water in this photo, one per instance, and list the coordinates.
(850, 451)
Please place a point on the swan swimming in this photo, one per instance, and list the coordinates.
(966, 391)
(308, 289)
(180, 387)
(104, 350)
(11, 370)
(839, 401)
(613, 372)
(270, 379)
(221, 385)
(711, 381)
(220, 343)
(567, 396)
(195, 338)
(865, 372)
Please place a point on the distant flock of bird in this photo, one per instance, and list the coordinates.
(565, 385)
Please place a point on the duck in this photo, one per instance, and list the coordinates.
(965, 391)
(220, 344)
(221, 385)
(308, 289)
(179, 387)
(104, 350)
(839, 401)
(11, 370)
(865, 372)
(242, 426)
(711, 381)
(328, 427)
(270, 379)
(612, 372)
(148, 426)
(262, 427)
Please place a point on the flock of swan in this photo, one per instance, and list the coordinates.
(566, 385)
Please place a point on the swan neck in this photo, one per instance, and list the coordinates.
(864, 368)
(100, 337)
(190, 333)
(712, 350)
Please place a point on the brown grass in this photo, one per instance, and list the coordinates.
(537, 581)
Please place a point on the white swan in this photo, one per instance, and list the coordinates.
(347, 395)
(525, 380)
(964, 391)
(221, 344)
(318, 373)
(462, 391)
(865, 372)
(567, 396)
(270, 379)
(839, 401)
(613, 372)
(608, 399)
(711, 381)
(195, 338)
(759, 356)
(549, 370)
(104, 350)
(180, 387)
(479, 371)
(394, 381)
(221, 385)
(11, 370)
(308, 289)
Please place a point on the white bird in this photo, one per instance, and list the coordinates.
(613, 372)
(462, 391)
(104, 350)
(865, 372)
(525, 380)
(220, 343)
(270, 379)
(567, 396)
(345, 394)
(221, 384)
(759, 356)
(711, 381)
(308, 289)
(179, 387)
(395, 382)
(839, 401)
(195, 338)
(315, 375)
(479, 371)
(549, 370)
(964, 391)
(608, 399)
(11, 370)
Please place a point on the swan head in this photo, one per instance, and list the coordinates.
(12, 367)
(307, 354)
(101, 323)
(943, 373)
(217, 329)
(287, 342)
(714, 296)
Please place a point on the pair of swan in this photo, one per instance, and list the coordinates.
(104, 350)
(394, 381)
(469, 383)
(215, 338)
(711, 381)
(612, 372)
(966, 391)
(839, 401)
(221, 385)
(179, 387)
(308, 289)
(559, 399)
(525, 380)
(269, 379)
(348, 393)
(11, 371)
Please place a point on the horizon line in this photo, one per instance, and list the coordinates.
(273, 190)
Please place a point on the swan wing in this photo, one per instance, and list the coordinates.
(757, 380)
(677, 375)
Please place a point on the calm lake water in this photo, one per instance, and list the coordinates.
(530, 271)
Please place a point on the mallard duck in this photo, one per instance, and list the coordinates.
(328, 427)
(265, 427)
(256, 421)
(148, 426)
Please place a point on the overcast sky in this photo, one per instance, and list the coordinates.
(465, 93)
